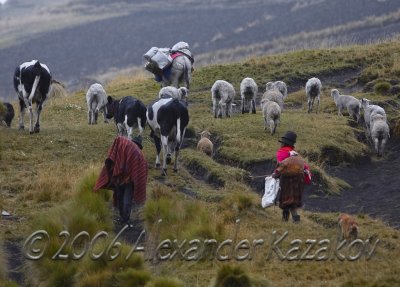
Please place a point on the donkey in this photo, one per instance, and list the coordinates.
(181, 71)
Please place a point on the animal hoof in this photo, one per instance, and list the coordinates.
(175, 170)
(31, 132)
(169, 159)
(36, 129)
(158, 165)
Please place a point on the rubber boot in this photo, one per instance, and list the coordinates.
(296, 218)
(285, 215)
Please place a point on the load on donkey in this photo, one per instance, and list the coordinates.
(171, 66)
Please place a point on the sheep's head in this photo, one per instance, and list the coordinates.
(205, 134)
(378, 117)
(263, 102)
(364, 102)
(334, 93)
(183, 93)
(269, 86)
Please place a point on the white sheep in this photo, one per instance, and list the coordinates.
(278, 85)
(96, 99)
(369, 111)
(380, 132)
(172, 92)
(313, 91)
(350, 103)
(205, 145)
(248, 93)
(222, 95)
(271, 114)
(275, 96)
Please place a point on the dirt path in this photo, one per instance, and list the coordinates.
(375, 189)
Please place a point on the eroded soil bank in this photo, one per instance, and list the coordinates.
(375, 189)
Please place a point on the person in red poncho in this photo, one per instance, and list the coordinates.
(291, 186)
(125, 171)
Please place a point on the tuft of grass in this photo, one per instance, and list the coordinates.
(97, 279)
(132, 277)
(57, 91)
(232, 276)
(165, 282)
(382, 88)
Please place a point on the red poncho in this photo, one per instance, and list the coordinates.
(125, 163)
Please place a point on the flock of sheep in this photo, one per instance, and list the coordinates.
(223, 94)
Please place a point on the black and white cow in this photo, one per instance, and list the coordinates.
(32, 81)
(168, 119)
(8, 115)
(128, 112)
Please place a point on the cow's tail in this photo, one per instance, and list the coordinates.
(178, 130)
(34, 87)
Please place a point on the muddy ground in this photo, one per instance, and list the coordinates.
(375, 189)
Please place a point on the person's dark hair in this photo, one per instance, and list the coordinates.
(138, 141)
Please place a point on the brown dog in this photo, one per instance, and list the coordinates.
(348, 227)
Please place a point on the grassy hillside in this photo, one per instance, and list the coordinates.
(46, 179)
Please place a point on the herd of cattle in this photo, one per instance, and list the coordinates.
(168, 115)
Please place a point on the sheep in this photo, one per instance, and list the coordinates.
(278, 85)
(313, 90)
(369, 111)
(172, 92)
(350, 103)
(275, 96)
(271, 113)
(205, 145)
(222, 95)
(248, 92)
(96, 99)
(380, 132)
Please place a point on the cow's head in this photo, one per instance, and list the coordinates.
(111, 107)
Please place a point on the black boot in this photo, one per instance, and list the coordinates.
(296, 218)
(285, 215)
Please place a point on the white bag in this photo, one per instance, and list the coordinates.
(271, 191)
(159, 56)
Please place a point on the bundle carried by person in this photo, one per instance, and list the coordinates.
(293, 165)
(160, 59)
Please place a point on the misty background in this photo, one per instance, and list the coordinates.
(84, 41)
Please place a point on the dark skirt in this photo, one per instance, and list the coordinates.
(291, 193)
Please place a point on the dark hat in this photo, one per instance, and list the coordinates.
(138, 141)
(289, 138)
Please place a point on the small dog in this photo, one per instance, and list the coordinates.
(348, 227)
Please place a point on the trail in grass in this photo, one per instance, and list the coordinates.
(375, 189)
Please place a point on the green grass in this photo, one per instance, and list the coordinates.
(46, 179)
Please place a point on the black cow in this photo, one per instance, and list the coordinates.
(127, 112)
(32, 81)
(8, 115)
(168, 119)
